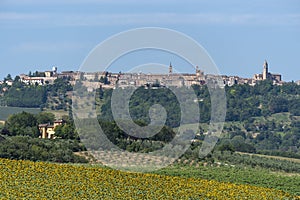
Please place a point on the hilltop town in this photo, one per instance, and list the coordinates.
(111, 80)
(262, 117)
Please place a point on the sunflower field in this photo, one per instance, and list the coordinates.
(39, 180)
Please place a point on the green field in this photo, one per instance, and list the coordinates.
(6, 111)
(288, 182)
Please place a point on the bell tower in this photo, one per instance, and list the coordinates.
(170, 69)
(265, 71)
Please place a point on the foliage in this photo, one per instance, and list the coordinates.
(26, 96)
(35, 96)
(61, 85)
(243, 102)
(57, 95)
(263, 99)
(25, 179)
(140, 103)
(36, 149)
(134, 144)
(22, 124)
(66, 130)
(26, 123)
(252, 113)
(224, 152)
(45, 117)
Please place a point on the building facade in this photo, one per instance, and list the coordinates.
(266, 75)
(47, 130)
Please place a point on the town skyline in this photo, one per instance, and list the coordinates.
(171, 77)
(155, 68)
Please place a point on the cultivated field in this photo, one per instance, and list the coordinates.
(274, 157)
(28, 180)
(6, 111)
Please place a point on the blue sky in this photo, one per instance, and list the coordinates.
(238, 35)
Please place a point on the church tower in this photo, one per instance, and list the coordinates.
(170, 69)
(265, 71)
(197, 71)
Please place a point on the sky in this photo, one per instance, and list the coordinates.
(238, 35)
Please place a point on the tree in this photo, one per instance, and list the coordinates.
(17, 83)
(45, 117)
(30, 96)
(225, 146)
(66, 131)
(35, 149)
(17, 79)
(294, 107)
(22, 124)
(8, 78)
(278, 104)
(104, 80)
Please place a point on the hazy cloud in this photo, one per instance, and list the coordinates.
(71, 19)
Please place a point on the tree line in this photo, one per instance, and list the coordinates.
(20, 94)
(19, 139)
(243, 102)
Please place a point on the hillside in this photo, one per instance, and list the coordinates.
(263, 119)
(260, 119)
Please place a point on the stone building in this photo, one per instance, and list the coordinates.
(47, 130)
(266, 75)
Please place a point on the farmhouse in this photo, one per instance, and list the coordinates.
(47, 130)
